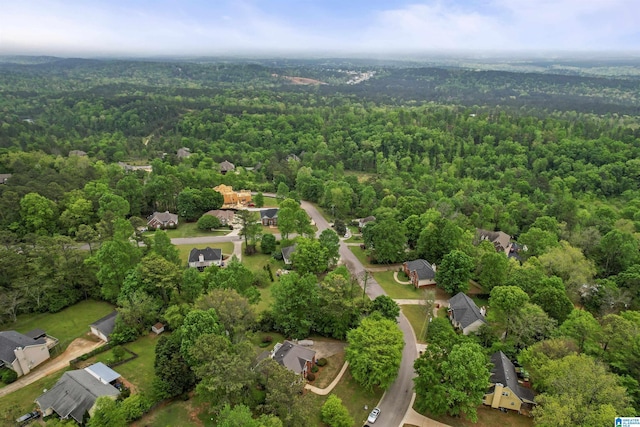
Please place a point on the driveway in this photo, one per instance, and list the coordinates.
(326, 347)
(77, 348)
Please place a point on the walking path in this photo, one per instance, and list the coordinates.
(77, 348)
(327, 389)
(395, 276)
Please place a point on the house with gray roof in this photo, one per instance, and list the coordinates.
(4, 177)
(103, 327)
(501, 240)
(294, 357)
(202, 258)
(162, 220)
(226, 166)
(286, 254)
(183, 153)
(21, 353)
(269, 216)
(420, 272)
(103, 373)
(506, 392)
(225, 216)
(75, 395)
(465, 314)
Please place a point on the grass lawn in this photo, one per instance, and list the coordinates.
(66, 325)
(394, 289)
(190, 229)
(227, 249)
(355, 238)
(22, 401)
(416, 316)
(174, 414)
(362, 256)
(488, 417)
(257, 340)
(328, 373)
(140, 371)
(354, 397)
(270, 202)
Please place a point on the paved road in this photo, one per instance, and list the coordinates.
(396, 401)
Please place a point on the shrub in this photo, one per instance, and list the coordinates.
(208, 222)
(311, 376)
(118, 353)
(315, 369)
(9, 376)
(135, 406)
(322, 362)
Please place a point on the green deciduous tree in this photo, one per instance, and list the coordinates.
(268, 244)
(38, 213)
(506, 302)
(386, 306)
(162, 246)
(386, 240)
(335, 414)
(258, 200)
(578, 391)
(451, 381)
(234, 311)
(208, 222)
(492, 270)
(107, 413)
(173, 375)
(197, 323)
(375, 351)
(241, 416)
(309, 257)
(583, 328)
(251, 229)
(330, 241)
(294, 298)
(454, 272)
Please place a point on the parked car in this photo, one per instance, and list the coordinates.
(26, 418)
(373, 416)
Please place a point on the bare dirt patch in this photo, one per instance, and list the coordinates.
(325, 347)
(301, 80)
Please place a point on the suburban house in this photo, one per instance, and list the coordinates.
(162, 220)
(183, 153)
(133, 168)
(202, 258)
(501, 241)
(233, 199)
(225, 217)
(102, 328)
(269, 217)
(77, 153)
(465, 314)
(21, 352)
(286, 253)
(420, 272)
(505, 391)
(294, 357)
(364, 221)
(4, 177)
(293, 158)
(226, 166)
(76, 392)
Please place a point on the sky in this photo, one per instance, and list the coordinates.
(90, 28)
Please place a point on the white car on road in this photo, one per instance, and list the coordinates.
(373, 416)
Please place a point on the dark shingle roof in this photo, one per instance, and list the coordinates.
(269, 213)
(504, 372)
(287, 251)
(106, 324)
(423, 268)
(74, 394)
(164, 217)
(293, 357)
(10, 340)
(36, 333)
(208, 253)
(499, 239)
(465, 311)
(227, 166)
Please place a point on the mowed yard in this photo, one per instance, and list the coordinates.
(190, 229)
(184, 250)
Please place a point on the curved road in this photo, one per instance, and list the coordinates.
(397, 399)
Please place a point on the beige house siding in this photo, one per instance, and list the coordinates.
(472, 327)
(503, 397)
(99, 334)
(29, 357)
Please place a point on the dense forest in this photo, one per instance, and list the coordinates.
(434, 153)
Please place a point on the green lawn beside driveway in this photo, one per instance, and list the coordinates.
(184, 250)
(394, 289)
(416, 316)
(66, 325)
(190, 229)
(362, 256)
(22, 401)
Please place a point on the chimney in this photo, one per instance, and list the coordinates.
(201, 258)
